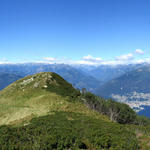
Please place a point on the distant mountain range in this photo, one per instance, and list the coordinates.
(78, 78)
(132, 88)
(133, 81)
(105, 73)
(6, 79)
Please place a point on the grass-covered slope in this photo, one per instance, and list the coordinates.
(43, 111)
(37, 95)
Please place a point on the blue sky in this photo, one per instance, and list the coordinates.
(74, 30)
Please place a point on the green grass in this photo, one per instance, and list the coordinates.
(37, 105)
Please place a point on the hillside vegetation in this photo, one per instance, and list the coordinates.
(43, 111)
(68, 130)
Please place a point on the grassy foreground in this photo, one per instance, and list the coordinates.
(68, 130)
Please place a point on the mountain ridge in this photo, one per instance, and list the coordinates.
(131, 88)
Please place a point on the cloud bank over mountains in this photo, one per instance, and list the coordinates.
(136, 57)
(130, 58)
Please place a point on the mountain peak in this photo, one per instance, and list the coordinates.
(39, 80)
(42, 81)
(35, 95)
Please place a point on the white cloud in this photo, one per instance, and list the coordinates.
(91, 58)
(83, 62)
(125, 57)
(49, 59)
(139, 51)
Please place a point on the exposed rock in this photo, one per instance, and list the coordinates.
(36, 85)
(25, 82)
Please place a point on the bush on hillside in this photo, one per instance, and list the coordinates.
(120, 112)
(116, 111)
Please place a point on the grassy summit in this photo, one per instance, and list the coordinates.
(37, 95)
